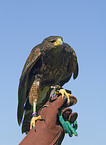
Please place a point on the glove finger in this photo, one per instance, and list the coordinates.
(73, 101)
(73, 117)
(66, 113)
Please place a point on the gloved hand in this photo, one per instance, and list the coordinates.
(49, 130)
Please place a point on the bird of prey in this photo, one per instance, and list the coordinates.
(50, 63)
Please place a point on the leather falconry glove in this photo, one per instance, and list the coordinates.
(49, 131)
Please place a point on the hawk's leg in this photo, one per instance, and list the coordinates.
(64, 93)
(33, 100)
(35, 117)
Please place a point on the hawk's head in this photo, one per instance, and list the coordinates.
(52, 42)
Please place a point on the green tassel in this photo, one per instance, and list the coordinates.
(68, 127)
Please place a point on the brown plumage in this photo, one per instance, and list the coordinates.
(50, 63)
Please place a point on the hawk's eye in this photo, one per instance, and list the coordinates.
(52, 41)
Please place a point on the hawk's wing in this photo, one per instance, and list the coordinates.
(72, 67)
(26, 81)
(73, 63)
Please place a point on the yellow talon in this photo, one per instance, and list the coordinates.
(33, 121)
(64, 93)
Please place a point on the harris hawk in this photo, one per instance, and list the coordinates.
(50, 63)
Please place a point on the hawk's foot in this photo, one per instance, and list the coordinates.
(33, 121)
(64, 93)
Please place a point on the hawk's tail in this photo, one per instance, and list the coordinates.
(26, 122)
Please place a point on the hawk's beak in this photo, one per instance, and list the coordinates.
(58, 42)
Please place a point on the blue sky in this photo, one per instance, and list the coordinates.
(82, 24)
